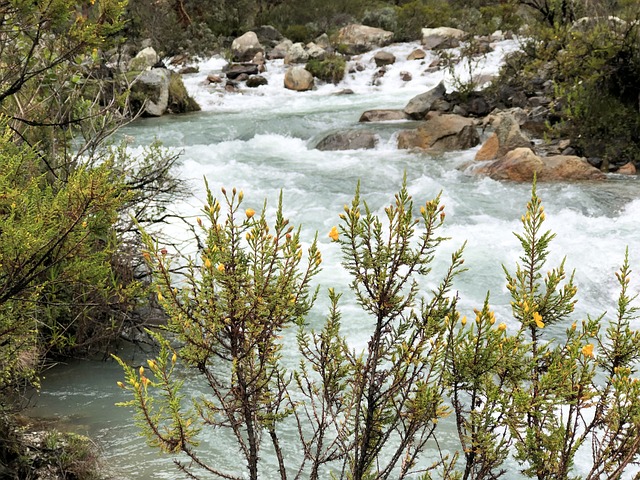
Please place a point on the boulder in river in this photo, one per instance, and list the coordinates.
(348, 140)
(280, 50)
(421, 104)
(255, 81)
(233, 71)
(441, 132)
(507, 136)
(417, 54)
(521, 164)
(355, 39)
(146, 58)
(298, 79)
(383, 116)
(150, 91)
(296, 54)
(383, 58)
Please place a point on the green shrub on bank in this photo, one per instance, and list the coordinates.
(331, 69)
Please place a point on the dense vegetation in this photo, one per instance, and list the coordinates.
(72, 280)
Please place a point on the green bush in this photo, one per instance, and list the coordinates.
(331, 69)
(419, 14)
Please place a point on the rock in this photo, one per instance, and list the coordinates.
(268, 35)
(348, 140)
(255, 81)
(315, 51)
(180, 59)
(188, 70)
(383, 58)
(323, 41)
(441, 37)
(406, 76)
(378, 75)
(280, 50)
(245, 47)
(179, 100)
(383, 116)
(296, 54)
(146, 58)
(627, 169)
(150, 92)
(258, 59)
(357, 39)
(243, 77)
(298, 79)
(237, 69)
(421, 104)
(417, 54)
(507, 136)
(520, 165)
(214, 78)
(441, 132)
(344, 91)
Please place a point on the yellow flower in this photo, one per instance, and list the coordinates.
(502, 327)
(250, 212)
(587, 350)
(221, 268)
(141, 370)
(207, 263)
(538, 319)
(151, 363)
(464, 320)
(333, 234)
(120, 384)
(174, 357)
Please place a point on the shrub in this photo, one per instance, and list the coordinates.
(512, 387)
(331, 69)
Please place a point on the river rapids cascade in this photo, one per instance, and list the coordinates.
(262, 141)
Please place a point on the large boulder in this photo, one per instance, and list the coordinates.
(255, 81)
(298, 79)
(383, 58)
(441, 37)
(421, 104)
(355, 39)
(507, 136)
(179, 99)
(315, 51)
(348, 140)
(296, 54)
(441, 132)
(521, 164)
(150, 92)
(245, 47)
(146, 58)
(383, 116)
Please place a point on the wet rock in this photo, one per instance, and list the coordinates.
(406, 76)
(417, 54)
(441, 132)
(421, 104)
(383, 116)
(237, 69)
(383, 58)
(627, 169)
(255, 81)
(507, 136)
(521, 164)
(298, 79)
(188, 70)
(214, 78)
(348, 140)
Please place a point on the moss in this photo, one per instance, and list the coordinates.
(179, 99)
(331, 69)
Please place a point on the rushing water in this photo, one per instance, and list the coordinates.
(261, 141)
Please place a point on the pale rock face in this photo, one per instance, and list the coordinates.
(245, 47)
(146, 58)
(296, 54)
(361, 38)
(440, 133)
(441, 37)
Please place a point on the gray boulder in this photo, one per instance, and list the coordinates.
(421, 104)
(280, 50)
(348, 140)
(507, 136)
(235, 70)
(150, 92)
(315, 51)
(255, 81)
(383, 116)
(146, 58)
(268, 35)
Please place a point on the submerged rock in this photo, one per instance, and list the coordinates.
(348, 140)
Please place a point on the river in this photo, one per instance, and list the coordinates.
(261, 141)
